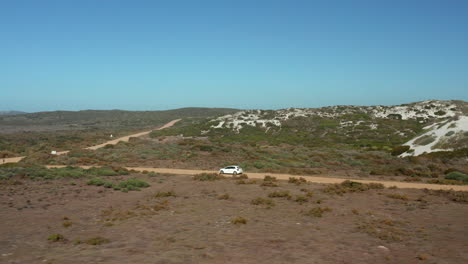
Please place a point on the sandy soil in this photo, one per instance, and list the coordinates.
(314, 179)
(195, 226)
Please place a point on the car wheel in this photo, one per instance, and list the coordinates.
(221, 172)
(235, 173)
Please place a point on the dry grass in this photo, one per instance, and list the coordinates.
(263, 201)
(317, 211)
(398, 196)
(384, 229)
(165, 194)
(280, 194)
(350, 187)
(239, 221)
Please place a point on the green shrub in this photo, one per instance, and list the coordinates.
(132, 184)
(458, 176)
(424, 140)
(97, 182)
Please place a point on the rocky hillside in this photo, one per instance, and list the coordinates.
(426, 126)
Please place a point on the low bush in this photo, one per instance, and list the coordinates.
(56, 238)
(297, 181)
(269, 178)
(317, 211)
(240, 177)
(208, 177)
(35, 172)
(239, 221)
(263, 201)
(424, 140)
(398, 196)
(97, 182)
(351, 186)
(224, 197)
(398, 150)
(132, 185)
(280, 194)
(384, 229)
(124, 186)
(446, 182)
(165, 194)
(301, 199)
(67, 224)
(455, 196)
(269, 184)
(458, 176)
(95, 241)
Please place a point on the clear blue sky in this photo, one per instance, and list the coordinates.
(151, 55)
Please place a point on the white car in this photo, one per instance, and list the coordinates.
(234, 170)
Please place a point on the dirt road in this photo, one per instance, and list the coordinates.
(111, 142)
(126, 138)
(314, 179)
(11, 160)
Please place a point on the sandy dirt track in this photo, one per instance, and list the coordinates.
(11, 160)
(111, 142)
(314, 179)
(126, 138)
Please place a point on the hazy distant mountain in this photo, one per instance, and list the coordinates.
(12, 113)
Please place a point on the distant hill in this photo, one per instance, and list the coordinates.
(423, 127)
(11, 113)
(97, 119)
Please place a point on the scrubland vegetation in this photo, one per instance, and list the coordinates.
(40, 133)
(202, 153)
(210, 218)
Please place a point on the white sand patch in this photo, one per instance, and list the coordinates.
(439, 133)
(426, 110)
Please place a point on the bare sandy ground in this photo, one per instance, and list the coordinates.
(194, 225)
(110, 142)
(313, 179)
